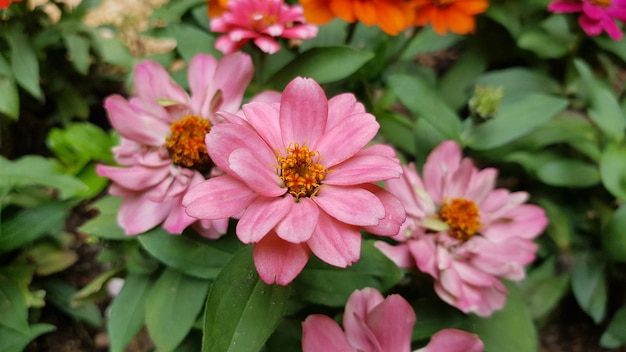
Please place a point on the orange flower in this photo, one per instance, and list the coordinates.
(454, 15)
(392, 16)
(216, 7)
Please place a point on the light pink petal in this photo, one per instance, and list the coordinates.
(303, 112)
(233, 75)
(392, 323)
(424, 250)
(260, 177)
(406, 189)
(506, 259)
(352, 205)
(267, 44)
(481, 184)
(399, 254)
(177, 219)
(135, 124)
(340, 106)
(153, 83)
(443, 161)
(322, 334)
(211, 229)
(346, 139)
(227, 46)
(279, 261)
(453, 340)
(394, 213)
(303, 31)
(363, 169)
(138, 214)
(564, 6)
(135, 178)
(359, 304)
(526, 221)
(458, 182)
(298, 225)
(217, 198)
(264, 118)
(200, 76)
(335, 243)
(261, 216)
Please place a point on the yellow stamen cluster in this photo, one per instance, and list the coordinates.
(185, 144)
(300, 171)
(462, 216)
(602, 3)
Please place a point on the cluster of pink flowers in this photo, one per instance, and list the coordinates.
(462, 231)
(597, 16)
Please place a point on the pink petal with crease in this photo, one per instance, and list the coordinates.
(261, 216)
(303, 112)
(352, 205)
(322, 334)
(152, 82)
(363, 169)
(144, 128)
(453, 340)
(298, 225)
(137, 214)
(335, 243)
(217, 198)
(346, 139)
(260, 178)
(279, 261)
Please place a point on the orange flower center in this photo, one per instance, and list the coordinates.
(260, 21)
(462, 216)
(300, 171)
(443, 3)
(602, 3)
(185, 144)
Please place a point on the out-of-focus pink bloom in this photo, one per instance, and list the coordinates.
(4, 4)
(462, 231)
(374, 324)
(300, 176)
(162, 151)
(597, 15)
(261, 21)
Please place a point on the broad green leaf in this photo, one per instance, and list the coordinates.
(95, 287)
(569, 173)
(10, 341)
(614, 235)
(9, 99)
(81, 141)
(542, 44)
(395, 128)
(31, 224)
(560, 226)
(202, 259)
(510, 329)
(615, 46)
(114, 52)
(519, 80)
(37, 170)
(589, 285)
(433, 314)
(105, 225)
(615, 333)
(78, 50)
(515, 119)
(48, 258)
(13, 308)
(60, 293)
(324, 65)
(241, 310)
(423, 101)
(427, 41)
(543, 288)
(24, 61)
(191, 40)
(128, 311)
(173, 305)
(324, 284)
(604, 110)
(457, 85)
(613, 170)
(174, 10)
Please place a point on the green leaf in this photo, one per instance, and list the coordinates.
(173, 306)
(105, 225)
(518, 80)
(191, 40)
(589, 285)
(615, 332)
(543, 288)
(241, 310)
(428, 41)
(48, 258)
(433, 314)
(95, 287)
(560, 225)
(24, 61)
(424, 102)
(37, 170)
(9, 99)
(78, 50)
(457, 85)
(174, 10)
(202, 259)
(605, 110)
(81, 141)
(569, 173)
(31, 224)
(614, 235)
(515, 119)
(60, 293)
(128, 311)
(613, 170)
(324, 284)
(10, 341)
(324, 65)
(13, 308)
(510, 329)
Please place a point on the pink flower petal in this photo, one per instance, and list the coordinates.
(264, 118)
(453, 340)
(134, 124)
(261, 216)
(203, 88)
(346, 139)
(138, 214)
(399, 254)
(267, 44)
(363, 169)
(303, 112)
(298, 225)
(153, 83)
(394, 213)
(359, 304)
(135, 178)
(352, 205)
(442, 162)
(260, 178)
(232, 77)
(322, 334)
(218, 197)
(177, 219)
(392, 323)
(340, 106)
(335, 243)
(564, 6)
(525, 221)
(279, 261)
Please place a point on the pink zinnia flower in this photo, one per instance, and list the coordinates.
(298, 174)
(261, 21)
(462, 231)
(597, 15)
(162, 151)
(374, 324)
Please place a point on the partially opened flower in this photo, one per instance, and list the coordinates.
(392, 16)
(462, 231)
(376, 324)
(4, 4)
(261, 21)
(596, 16)
(456, 16)
(162, 151)
(301, 178)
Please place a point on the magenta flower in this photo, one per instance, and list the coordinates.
(374, 324)
(260, 21)
(462, 231)
(162, 151)
(597, 15)
(301, 179)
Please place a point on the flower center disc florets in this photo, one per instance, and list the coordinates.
(462, 216)
(185, 144)
(300, 171)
